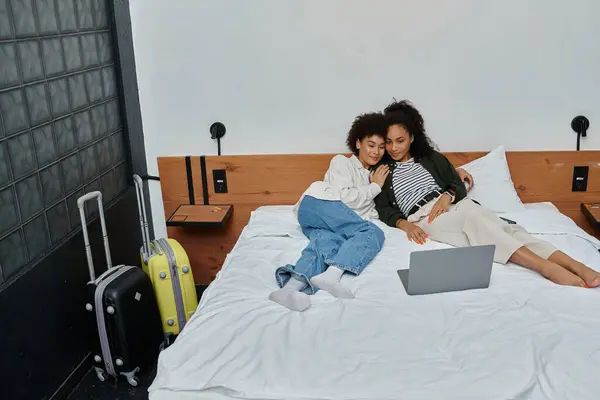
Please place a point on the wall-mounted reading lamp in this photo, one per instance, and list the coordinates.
(217, 131)
(580, 125)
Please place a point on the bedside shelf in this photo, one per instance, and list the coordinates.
(200, 215)
(592, 213)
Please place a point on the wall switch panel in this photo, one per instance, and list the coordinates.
(220, 180)
(580, 178)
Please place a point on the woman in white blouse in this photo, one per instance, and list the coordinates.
(335, 216)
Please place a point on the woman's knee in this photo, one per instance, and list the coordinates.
(377, 234)
(477, 223)
(370, 234)
(469, 206)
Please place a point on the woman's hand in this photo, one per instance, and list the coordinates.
(441, 206)
(466, 177)
(413, 232)
(380, 175)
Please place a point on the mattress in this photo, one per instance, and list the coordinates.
(522, 338)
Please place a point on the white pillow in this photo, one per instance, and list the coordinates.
(494, 188)
(273, 221)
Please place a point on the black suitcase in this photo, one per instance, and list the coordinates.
(123, 310)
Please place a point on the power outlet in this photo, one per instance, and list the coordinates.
(220, 180)
(580, 179)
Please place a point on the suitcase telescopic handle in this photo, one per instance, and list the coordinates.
(139, 189)
(88, 251)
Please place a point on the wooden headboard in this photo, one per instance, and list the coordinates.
(256, 180)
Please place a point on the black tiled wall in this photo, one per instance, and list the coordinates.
(60, 128)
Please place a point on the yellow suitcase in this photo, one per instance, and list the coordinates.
(168, 266)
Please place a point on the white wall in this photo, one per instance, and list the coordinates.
(288, 76)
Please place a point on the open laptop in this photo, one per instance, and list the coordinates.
(448, 270)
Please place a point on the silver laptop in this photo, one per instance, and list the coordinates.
(448, 270)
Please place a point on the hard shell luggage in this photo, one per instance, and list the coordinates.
(168, 266)
(122, 308)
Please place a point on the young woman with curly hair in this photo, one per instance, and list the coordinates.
(335, 216)
(424, 196)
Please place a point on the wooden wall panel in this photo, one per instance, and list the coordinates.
(174, 185)
(547, 176)
(266, 179)
(255, 180)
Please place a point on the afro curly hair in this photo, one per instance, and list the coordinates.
(366, 125)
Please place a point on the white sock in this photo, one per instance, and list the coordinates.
(295, 284)
(290, 296)
(330, 282)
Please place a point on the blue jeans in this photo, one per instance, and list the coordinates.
(338, 236)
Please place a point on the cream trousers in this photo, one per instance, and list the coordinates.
(469, 224)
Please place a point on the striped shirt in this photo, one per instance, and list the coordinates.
(411, 182)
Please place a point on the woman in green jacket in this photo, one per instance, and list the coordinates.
(424, 196)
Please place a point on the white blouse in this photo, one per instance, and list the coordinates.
(346, 180)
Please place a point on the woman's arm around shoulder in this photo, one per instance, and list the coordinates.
(449, 175)
(344, 177)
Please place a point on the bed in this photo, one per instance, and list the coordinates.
(522, 338)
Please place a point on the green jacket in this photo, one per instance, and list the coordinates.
(444, 174)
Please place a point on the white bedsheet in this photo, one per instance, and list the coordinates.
(523, 338)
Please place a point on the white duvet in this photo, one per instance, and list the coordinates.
(523, 338)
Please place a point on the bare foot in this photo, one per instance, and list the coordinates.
(595, 282)
(563, 277)
(591, 277)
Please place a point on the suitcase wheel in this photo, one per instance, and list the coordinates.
(170, 338)
(133, 381)
(131, 378)
(102, 376)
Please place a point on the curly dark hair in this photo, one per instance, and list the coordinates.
(405, 114)
(366, 125)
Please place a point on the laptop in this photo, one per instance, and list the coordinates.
(448, 270)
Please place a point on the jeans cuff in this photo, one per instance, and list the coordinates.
(285, 273)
